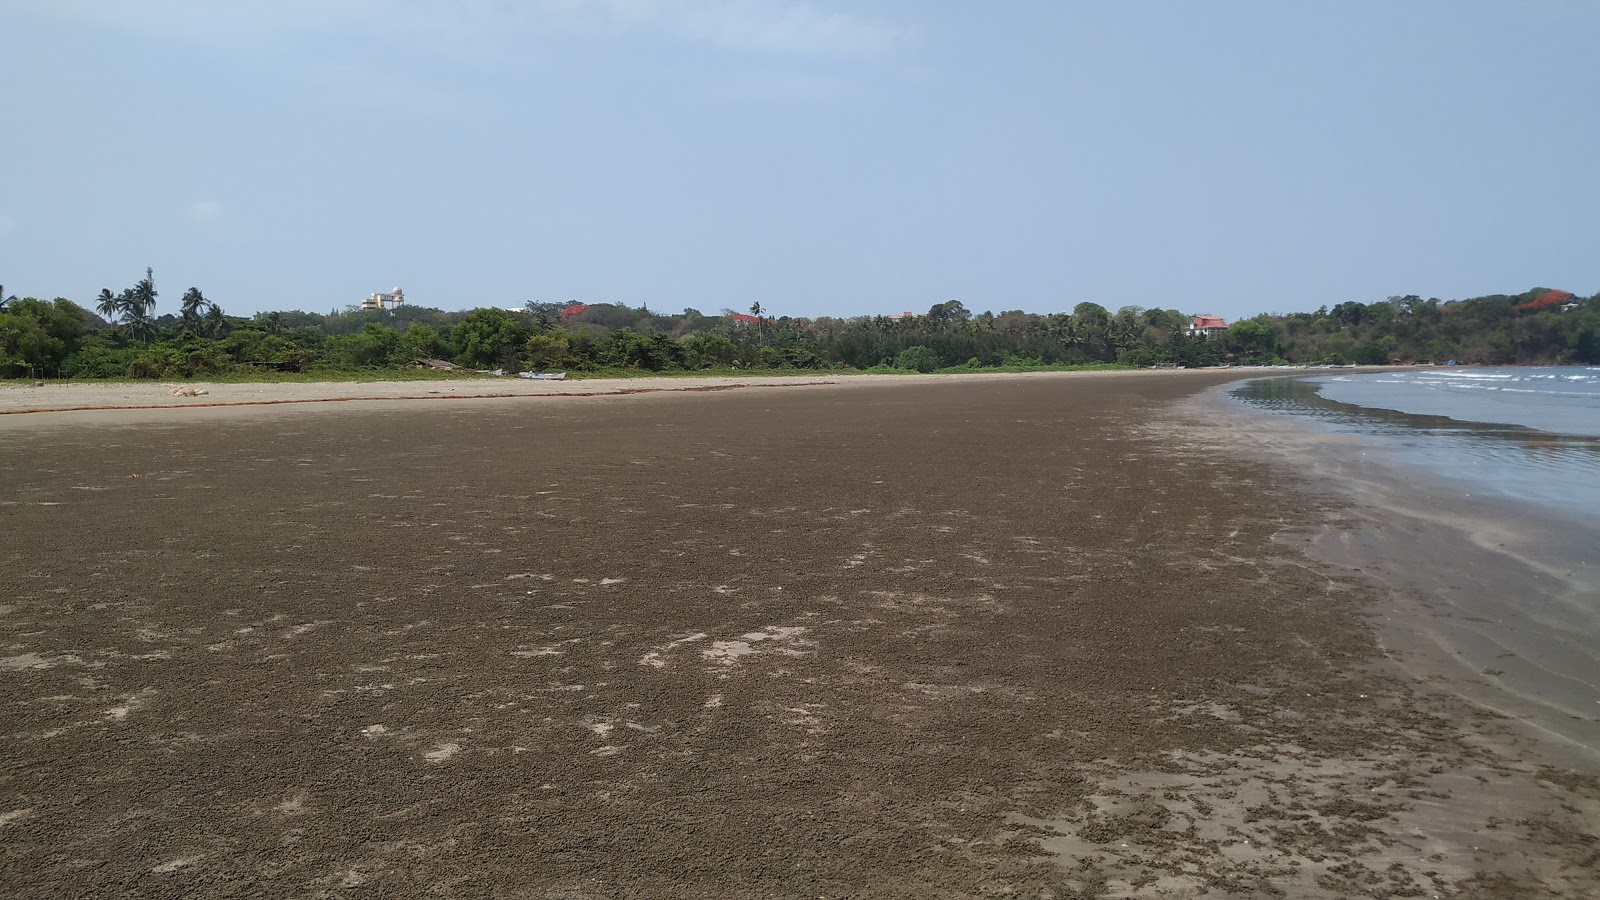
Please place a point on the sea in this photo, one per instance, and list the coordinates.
(1525, 434)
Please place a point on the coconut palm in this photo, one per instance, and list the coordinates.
(214, 322)
(144, 293)
(192, 307)
(108, 305)
(756, 309)
(138, 323)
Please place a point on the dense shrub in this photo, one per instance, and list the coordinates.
(96, 360)
(917, 359)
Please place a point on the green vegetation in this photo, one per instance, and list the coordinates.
(122, 338)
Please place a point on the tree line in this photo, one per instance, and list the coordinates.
(121, 336)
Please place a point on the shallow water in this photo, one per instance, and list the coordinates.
(1560, 400)
(1527, 434)
(1486, 534)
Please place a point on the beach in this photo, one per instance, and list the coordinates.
(1052, 635)
(19, 397)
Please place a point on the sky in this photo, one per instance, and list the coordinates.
(820, 157)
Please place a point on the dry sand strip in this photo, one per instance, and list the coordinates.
(991, 637)
(17, 398)
(88, 396)
(25, 397)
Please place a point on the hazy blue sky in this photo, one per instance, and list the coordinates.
(823, 157)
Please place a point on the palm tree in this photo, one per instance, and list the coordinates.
(108, 305)
(756, 310)
(144, 293)
(214, 322)
(192, 307)
(139, 324)
(1125, 332)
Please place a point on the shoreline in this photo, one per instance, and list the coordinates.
(1486, 597)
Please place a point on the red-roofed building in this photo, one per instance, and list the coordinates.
(1208, 325)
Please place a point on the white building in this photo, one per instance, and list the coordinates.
(1207, 326)
(395, 297)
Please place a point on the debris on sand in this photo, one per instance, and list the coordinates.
(184, 390)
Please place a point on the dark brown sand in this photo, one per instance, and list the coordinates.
(996, 637)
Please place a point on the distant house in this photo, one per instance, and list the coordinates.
(1206, 326)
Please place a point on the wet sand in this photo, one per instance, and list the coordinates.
(1489, 598)
(1003, 636)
